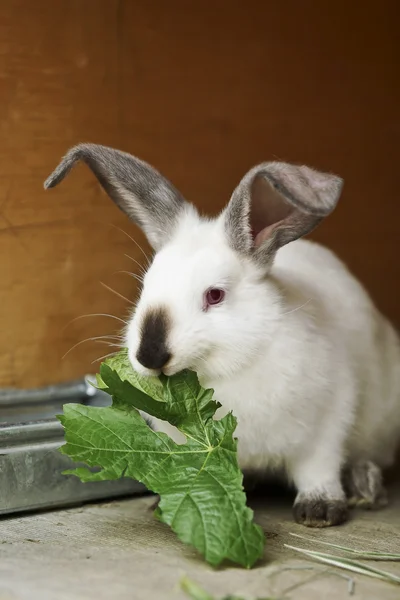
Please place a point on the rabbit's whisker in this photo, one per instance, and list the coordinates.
(110, 289)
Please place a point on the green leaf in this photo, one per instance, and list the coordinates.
(196, 592)
(199, 482)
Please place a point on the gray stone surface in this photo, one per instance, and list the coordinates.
(118, 550)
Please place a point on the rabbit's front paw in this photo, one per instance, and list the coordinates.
(319, 511)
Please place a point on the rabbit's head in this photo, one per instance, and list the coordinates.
(207, 301)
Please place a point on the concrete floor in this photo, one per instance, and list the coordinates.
(118, 550)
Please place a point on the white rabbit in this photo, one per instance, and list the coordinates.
(280, 329)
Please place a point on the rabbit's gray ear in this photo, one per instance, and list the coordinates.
(276, 203)
(149, 199)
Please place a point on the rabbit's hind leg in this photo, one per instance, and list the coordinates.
(363, 484)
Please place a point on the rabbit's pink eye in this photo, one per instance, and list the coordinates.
(214, 296)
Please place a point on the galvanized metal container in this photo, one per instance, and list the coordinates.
(31, 465)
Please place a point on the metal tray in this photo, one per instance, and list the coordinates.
(30, 464)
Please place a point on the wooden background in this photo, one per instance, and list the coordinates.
(202, 90)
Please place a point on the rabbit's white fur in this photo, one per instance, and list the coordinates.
(296, 350)
(302, 357)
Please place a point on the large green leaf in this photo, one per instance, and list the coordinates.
(199, 482)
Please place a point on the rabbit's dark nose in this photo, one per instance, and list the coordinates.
(154, 359)
(153, 352)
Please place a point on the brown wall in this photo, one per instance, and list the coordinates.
(203, 90)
